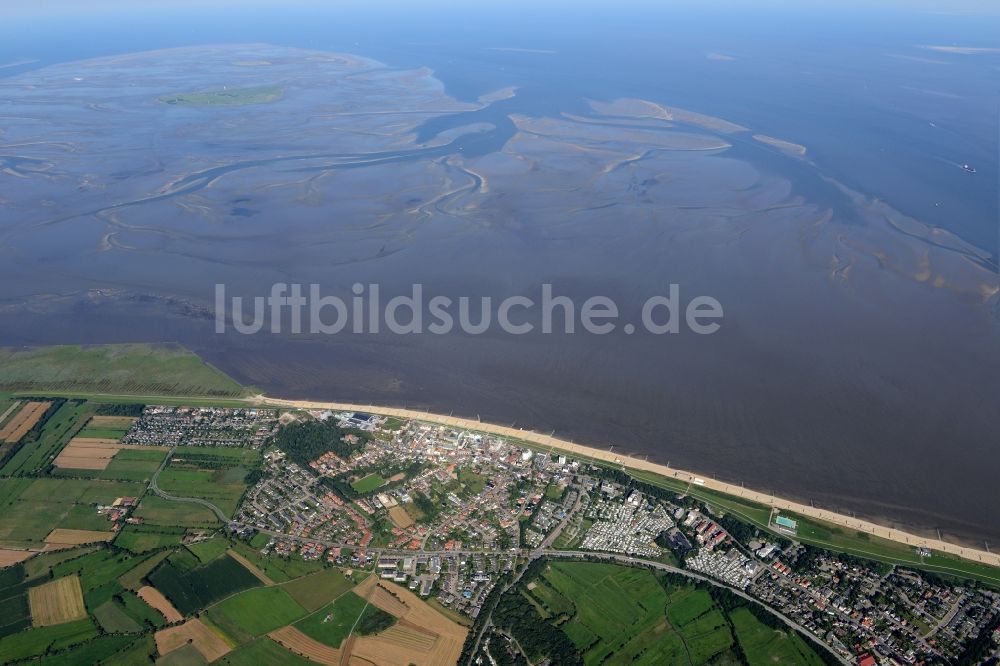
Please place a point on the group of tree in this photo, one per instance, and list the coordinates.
(536, 637)
(114, 409)
(306, 441)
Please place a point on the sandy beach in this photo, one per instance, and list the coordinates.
(892, 534)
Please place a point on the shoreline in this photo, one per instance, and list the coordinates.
(860, 525)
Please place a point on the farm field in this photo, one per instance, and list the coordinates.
(316, 590)
(158, 512)
(299, 643)
(89, 652)
(613, 614)
(87, 453)
(30, 509)
(112, 618)
(134, 464)
(143, 369)
(121, 423)
(144, 538)
(421, 636)
(216, 474)
(157, 601)
(264, 650)
(209, 644)
(57, 602)
(23, 420)
(614, 605)
(138, 652)
(36, 451)
(37, 641)
(278, 569)
(15, 613)
(98, 568)
(194, 589)
(8, 406)
(132, 579)
(763, 645)
(42, 563)
(206, 551)
(9, 557)
(255, 612)
(332, 623)
(251, 567)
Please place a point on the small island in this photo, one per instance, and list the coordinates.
(226, 97)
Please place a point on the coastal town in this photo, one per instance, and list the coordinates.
(451, 513)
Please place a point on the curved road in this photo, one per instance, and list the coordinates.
(189, 500)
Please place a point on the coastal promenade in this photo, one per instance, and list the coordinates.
(543, 440)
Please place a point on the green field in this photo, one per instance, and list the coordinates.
(206, 551)
(90, 652)
(474, 483)
(133, 464)
(186, 655)
(42, 639)
(144, 538)
(99, 568)
(216, 474)
(368, 484)
(619, 614)
(138, 652)
(194, 589)
(331, 624)
(14, 612)
(34, 456)
(226, 97)
(263, 651)
(279, 569)
(613, 614)
(109, 369)
(31, 508)
(763, 645)
(42, 563)
(156, 511)
(316, 590)
(113, 619)
(255, 612)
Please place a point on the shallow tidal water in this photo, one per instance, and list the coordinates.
(857, 365)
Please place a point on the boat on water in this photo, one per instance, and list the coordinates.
(968, 168)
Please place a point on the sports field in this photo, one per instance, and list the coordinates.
(368, 484)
